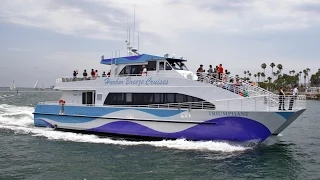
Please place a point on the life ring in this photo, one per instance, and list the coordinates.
(61, 102)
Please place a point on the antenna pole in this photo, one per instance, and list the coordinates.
(138, 40)
(128, 38)
(134, 23)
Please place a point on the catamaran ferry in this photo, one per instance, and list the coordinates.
(157, 97)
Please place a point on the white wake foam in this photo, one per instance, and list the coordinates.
(20, 120)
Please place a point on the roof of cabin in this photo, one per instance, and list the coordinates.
(131, 59)
(134, 59)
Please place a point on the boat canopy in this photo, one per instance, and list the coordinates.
(142, 58)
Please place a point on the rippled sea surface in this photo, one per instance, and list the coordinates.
(27, 152)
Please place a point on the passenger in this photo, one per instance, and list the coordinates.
(85, 74)
(75, 73)
(109, 73)
(237, 86)
(93, 74)
(96, 74)
(199, 73)
(173, 66)
(210, 74)
(220, 71)
(144, 70)
(281, 99)
(104, 74)
(294, 96)
(245, 93)
(210, 70)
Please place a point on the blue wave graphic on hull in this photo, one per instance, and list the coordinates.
(226, 128)
(98, 112)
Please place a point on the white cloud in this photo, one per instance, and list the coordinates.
(206, 31)
(18, 49)
(166, 18)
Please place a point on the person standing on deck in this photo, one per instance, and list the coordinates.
(199, 73)
(281, 99)
(220, 71)
(294, 96)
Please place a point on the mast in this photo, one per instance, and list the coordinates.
(12, 86)
(127, 39)
(134, 24)
(35, 86)
(138, 40)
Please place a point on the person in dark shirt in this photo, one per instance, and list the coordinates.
(85, 74)
(281, 99)
(104, 74)
(75, 73)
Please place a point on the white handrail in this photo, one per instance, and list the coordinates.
(254, 103)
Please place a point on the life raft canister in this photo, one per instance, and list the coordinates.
(61, 102)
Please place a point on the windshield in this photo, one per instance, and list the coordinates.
(178, 65)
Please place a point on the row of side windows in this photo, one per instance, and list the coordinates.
(137, 69)
(147, 98)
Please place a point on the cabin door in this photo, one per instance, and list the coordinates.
(88, 98)
(161, 69)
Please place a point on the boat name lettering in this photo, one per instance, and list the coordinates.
(109, 81)
(241, 114)
(129, 81)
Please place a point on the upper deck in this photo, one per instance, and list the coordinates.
(164, 69)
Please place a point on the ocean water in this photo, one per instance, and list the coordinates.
(27, 152)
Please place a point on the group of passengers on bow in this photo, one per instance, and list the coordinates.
(213, 74)
(94, 74)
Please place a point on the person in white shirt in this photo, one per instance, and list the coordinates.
(144, 70)
(294, 96)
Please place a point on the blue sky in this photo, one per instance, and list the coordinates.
(46, 39)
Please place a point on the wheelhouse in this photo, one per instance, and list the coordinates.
(155, 65)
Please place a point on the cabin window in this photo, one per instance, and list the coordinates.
(161, 65)
(99, 97)
(170, 98)
(152, 65)
(151, 98)
(131, 70)
(168, 67)
(129, 97)
(87, 98)
(136, 69)
(180, 98)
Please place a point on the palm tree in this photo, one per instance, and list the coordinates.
(263, 75)
(245, 72)
(259, 73)
(280, 67)
(264, 66)
(272, 65)
(300, 76)
(255, 76)
(305, 72)
(308, 70)
(249, 74)
(269, 79)
(274, 74)
(293, 72)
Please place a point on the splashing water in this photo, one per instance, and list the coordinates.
(19, 119)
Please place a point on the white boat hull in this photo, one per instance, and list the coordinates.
(163, 123)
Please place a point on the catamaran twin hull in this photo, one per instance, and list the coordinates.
(194, 124)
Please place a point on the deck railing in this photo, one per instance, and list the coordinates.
(243, 88)
(254, 103)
